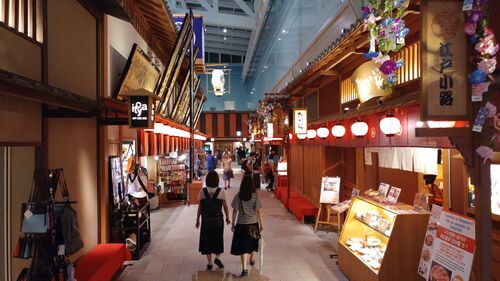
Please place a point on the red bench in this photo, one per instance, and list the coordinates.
(102, 262)
(278, 192)
(284, 197)
(301, 207)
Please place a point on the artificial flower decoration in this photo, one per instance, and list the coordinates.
(485, 152)
(387, 32)
(477, 77)
(470, 28)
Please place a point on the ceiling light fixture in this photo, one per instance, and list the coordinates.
(224, 30)
(441, 124)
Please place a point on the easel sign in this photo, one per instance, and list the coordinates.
(330, 189)
(393, 194)
(383, 189)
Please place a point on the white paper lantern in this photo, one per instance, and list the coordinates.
(322, 132)
(311, 134)
(338, 131)
(218, 82)
(359, 129)
(441, 124)
(301, 136)
(290, 136)
(390, 126)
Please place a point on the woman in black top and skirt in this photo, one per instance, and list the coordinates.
(212, 200)
(247, 205)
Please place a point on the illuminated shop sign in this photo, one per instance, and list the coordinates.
(141, 109)
(368, 81)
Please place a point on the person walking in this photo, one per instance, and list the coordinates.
(228, 170)
(212, 200)
(248, 207)
(210, 161)
(270, 173)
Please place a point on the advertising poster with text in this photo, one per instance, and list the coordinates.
(430, 237)
(454, 248)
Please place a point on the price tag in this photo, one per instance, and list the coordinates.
(28, 214)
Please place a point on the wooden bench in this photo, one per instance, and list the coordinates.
(301, 208)
(102, 262)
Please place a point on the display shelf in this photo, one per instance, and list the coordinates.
(383, 233)
(374, 242)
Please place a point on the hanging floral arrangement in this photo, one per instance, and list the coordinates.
(387, 33)
(485, 48)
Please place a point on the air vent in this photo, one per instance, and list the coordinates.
(229, 105)
(212, 108)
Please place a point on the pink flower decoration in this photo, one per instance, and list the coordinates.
(470, 28)
(485, 152)
(486, 47)
(488, 65)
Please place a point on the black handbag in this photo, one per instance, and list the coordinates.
(68, 219)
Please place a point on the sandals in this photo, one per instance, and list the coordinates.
(209, 267)
(244, 273)
(252, 262)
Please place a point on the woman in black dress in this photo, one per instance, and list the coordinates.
(247, 205)
(212, 200)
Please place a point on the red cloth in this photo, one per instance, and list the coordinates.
(102, 262)
(284, 196)
(300, 207)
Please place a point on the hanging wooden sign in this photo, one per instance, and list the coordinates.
(141, 109)
(444, 61)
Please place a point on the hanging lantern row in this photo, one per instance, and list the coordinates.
(389, 125)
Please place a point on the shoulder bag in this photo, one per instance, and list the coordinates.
(34, 212)
(253, 230)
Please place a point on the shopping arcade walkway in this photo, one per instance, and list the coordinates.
(292, 250)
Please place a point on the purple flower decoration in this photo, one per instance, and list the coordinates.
(371, 55)
(392, 78)
(473, 39)
(475, 16)
(477, 76)
(388, 67)
(470, 28)
(366, 11)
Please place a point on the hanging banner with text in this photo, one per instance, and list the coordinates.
(444, 61)
(300, 121)
(454, 248)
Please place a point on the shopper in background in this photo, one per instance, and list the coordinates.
(241, 155)
(248, 207)
(218, 156)
(228, 170)
(198, 166)
(212, 200)
(210, 161)
(256, 169)
(270, 171)
(248, 164)
(437, 194)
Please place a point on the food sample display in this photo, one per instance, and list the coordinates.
(375, 241)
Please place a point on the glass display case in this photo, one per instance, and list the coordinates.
(374, 243)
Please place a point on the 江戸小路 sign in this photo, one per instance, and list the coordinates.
(444, 61)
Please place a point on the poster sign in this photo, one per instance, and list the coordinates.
(444, 61)
(454, 247)
(117, 186)
(300, 120)
(430, 236)
(330, 188)
(393, 194)
(140, 112)
(383, 189)
(355, 192)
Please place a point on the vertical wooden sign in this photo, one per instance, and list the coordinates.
(444, 61)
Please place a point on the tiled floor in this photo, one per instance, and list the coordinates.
(292, 250)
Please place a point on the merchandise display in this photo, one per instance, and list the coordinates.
(375, 235)
(172, 175)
